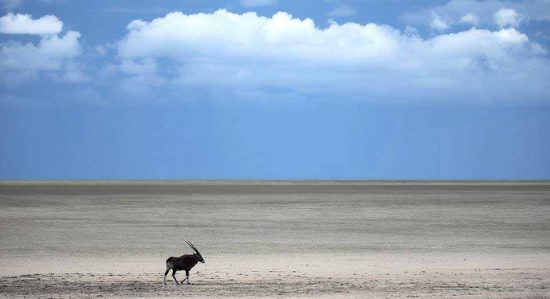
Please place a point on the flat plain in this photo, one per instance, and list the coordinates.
(276, 239)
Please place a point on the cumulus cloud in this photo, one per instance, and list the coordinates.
(225, 35)
(256, 3)
(470, 18)
(457, 10)
(53, 53)
(25, 24)
(49, 54)
(438, 23)
(506, 17)
(251, 52)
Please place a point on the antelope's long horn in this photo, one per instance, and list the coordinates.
(192, 246)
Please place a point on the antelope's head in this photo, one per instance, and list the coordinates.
(197, 254)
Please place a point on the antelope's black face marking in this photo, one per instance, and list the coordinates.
(199, 257)
(197, 254)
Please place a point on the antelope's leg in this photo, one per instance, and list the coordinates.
(166, 273)
(187, 276)
(174, 275)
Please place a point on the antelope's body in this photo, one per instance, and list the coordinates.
(183, 263)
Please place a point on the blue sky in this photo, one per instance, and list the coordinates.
(274, 89)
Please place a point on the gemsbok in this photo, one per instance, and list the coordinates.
(184, 262)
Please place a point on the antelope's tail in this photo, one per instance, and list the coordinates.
(169, 263)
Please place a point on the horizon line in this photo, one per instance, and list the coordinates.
(268, 181)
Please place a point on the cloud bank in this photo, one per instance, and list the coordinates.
(252, 53)
(247, 56)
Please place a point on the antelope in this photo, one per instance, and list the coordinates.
(184, 262)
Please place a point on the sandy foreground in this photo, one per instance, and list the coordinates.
(308, 275)
(478, 283)
(328, 239)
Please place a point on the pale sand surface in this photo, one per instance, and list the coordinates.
(486, 283)
(284, 239)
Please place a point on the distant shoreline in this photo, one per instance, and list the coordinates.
(223, 187)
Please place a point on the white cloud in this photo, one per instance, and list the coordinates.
(53, 53)
(256, 3)
(342, 11)
(439, 24)
(250, 52)
(224, 34)
(470, 18)
(25, 24)
(72, 73)
(506, 17)
(532, 10)
(49, 54)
